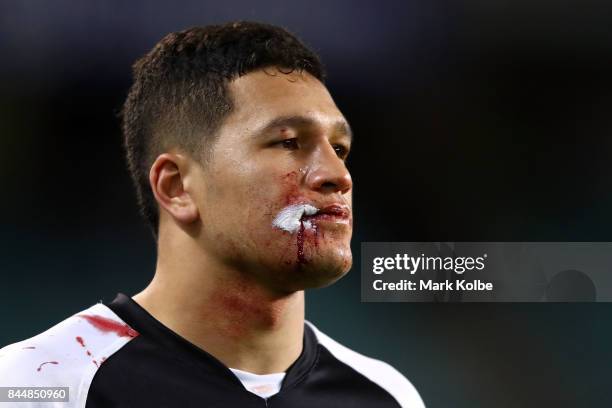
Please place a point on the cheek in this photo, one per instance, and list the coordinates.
(264, 203)
(266, 199)
(289, 188)
(248, 206)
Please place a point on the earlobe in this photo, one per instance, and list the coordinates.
(167, 180)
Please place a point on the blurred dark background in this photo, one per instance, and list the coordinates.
(474, 121)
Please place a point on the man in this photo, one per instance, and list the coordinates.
(238, 155)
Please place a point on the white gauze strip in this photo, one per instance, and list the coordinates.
(288, 219)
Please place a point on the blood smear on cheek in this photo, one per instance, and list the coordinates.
(290, 183)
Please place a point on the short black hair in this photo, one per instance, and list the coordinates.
(179, 96)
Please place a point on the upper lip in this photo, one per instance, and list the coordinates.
(337, 209)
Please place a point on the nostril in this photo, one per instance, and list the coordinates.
(329, 185)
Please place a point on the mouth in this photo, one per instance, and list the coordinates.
(294, 216)
(334, 213)
(335, 210)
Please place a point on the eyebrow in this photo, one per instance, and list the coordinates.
(299, 121)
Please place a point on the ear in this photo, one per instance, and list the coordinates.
(168, 178)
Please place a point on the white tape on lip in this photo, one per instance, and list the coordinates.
(290, 217)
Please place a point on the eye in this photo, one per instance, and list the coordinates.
(290, 144)
(341, 150)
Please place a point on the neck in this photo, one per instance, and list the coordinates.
(224, 311)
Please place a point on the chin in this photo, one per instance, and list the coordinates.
(320, 270)
(322, 277)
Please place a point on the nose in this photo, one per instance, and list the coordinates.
(327, 172)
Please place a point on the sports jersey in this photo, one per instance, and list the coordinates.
(118, 355)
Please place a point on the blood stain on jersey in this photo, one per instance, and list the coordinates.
(46, 362)
(107, 325)
(80, 340)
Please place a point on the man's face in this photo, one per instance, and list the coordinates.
(276, 196)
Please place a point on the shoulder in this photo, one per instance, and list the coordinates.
(66, 355)
(377, 371)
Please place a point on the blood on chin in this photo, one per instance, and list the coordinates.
(317, 260)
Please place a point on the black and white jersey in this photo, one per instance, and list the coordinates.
(118, 355)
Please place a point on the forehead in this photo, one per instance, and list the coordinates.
(264, 95)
